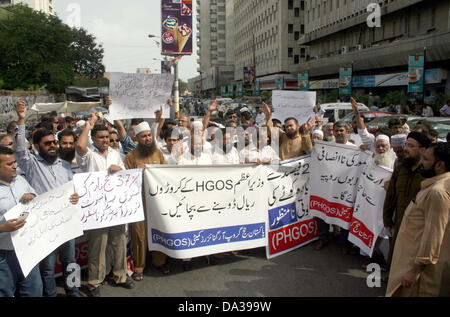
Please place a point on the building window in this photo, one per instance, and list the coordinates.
(302, 5)
(296, 59)
(297, 12)
(297, 36)
(291, 4)
(290, 52)
(290, 28)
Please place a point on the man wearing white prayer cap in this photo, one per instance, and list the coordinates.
(384, 156)
(81, 124)
(317, 135)
(146, 153)
(398, 142)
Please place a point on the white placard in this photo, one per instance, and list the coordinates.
(296, 104)
(290, 225)
(367, 222)
(196, 211)
(110, 200)
(336, 170)
(139, 95)
(52, 221)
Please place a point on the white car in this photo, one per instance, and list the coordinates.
(338, 110)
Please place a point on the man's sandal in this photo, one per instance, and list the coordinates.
(138, 277)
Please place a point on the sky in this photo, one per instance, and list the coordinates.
(123, 28)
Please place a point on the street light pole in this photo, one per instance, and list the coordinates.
(174, 111)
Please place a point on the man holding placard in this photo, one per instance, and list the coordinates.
(46, 171)
(101, 157)
(14, 189)
(145, 153)
(292, 143)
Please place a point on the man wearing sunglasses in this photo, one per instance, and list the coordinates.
(45, 171)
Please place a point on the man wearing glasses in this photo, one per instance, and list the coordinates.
(45, 171)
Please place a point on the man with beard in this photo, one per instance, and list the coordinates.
(329, 132)
(421, 257)
(292, 143)
(45, 171)
(145, 153)
(247, 148)
(404, 185)
(67, 148)
(384, 155)
(97, 158)
(398, 142)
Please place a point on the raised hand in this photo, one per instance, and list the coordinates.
(158, 114)
(213, 106)
(266, 110)
(307, 127)
(21, 110)
(354, 105)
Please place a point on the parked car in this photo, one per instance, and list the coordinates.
(339, 110)
(440, 124)
(367, 115)
(382, 122)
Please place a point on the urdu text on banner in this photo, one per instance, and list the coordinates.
(290, 226)
(367, 223)
(108, 200)
(202, 210)
(337, 168)
(52, 221)
(139, 95)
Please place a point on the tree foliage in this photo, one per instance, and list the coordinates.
(86, 55)
(38, 49)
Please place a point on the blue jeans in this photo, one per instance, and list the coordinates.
(47, 267)
(12, 278)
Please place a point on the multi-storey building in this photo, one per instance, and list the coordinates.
(45, 6)
(259, 34)
(337, 34)
(265, 37)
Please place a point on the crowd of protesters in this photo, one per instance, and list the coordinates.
(416, 210)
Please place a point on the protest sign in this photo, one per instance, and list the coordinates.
(296, 104)
(52, 221)
(337, 168)
(108, 200)
(367, 222)
(201, 210)
(290, 225)
(139, 95)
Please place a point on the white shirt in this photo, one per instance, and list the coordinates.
(268, 154)
(355, 138)
(219, 157)
(249, 154)
(94, 161)
(168, 156)
(188, 159)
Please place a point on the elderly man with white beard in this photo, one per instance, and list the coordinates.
(384, 155)
(380, 145)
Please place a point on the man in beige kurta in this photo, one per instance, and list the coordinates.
(294, 142)
(422, 250)
(145, 153)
